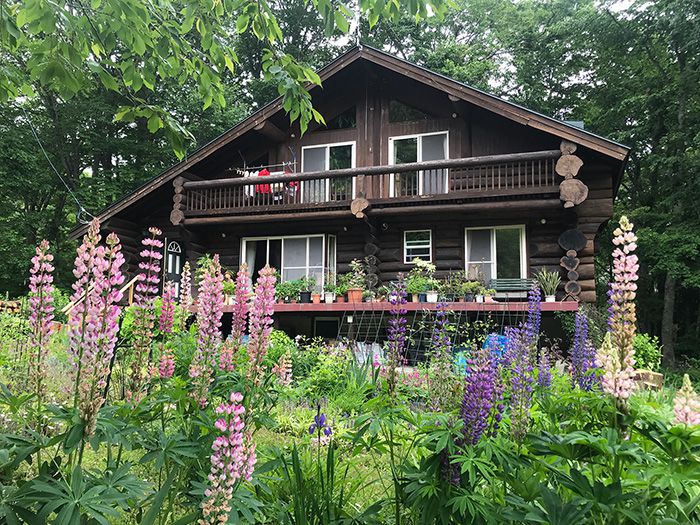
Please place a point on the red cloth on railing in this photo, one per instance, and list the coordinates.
(263, 188)
(295, 183)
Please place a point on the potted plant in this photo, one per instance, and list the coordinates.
(450, 288)
(470, 289)
(356, 281)
(229, 289)
(306, 286)
(282, 291)
(549, 282)
(421, 283)
(329, 290)
(479, 293)
(489, 293)
(341, 288)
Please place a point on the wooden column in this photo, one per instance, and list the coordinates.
(572, 241)
(571, 190)
(177, 215)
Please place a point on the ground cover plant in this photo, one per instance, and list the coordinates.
(146, 415)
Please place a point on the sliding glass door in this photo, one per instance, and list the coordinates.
(418, 148)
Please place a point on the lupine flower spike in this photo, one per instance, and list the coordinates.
(167, 309)
(210, 302)
(41, 314)
(616, 356)
(396, 332)
(283, 369)
(531, 330)
(241, 305)
(94, 326)
(442, 384)
(166, 367)
(686, 406)
(233, 459)
(260, 323)
(521, 379)
(482, 404)
(544, 370)
(185, 294)
(582, 354)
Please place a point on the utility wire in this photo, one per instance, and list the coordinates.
(81, 209)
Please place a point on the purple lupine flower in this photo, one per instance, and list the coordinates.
(616, 356)
(232, 459)
(145, 292)
(482, 404)
(441, 338)
(210, 300)
(260, 322)
(166, 367)
(93, 324)
(544, 370)
(442, 385)
(521, 379)
(41, 315)
(582, 354)
(396, 334)
(531, 329)
(167, 309)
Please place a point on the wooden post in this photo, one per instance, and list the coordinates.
(571, 190)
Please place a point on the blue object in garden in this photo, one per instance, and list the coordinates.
(461, 362)
(497, 344)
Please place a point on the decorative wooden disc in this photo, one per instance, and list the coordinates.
(572, 288)
(358, 206)
(176, 217)
(571, 253)
(573, 192)
(567, 148)
(572, 239)
(572, 275)
(569, 263)
(371, 249)
(568, 166)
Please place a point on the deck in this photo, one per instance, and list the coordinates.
(321, 308)
(383, 189)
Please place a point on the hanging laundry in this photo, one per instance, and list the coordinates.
(249, 189)
(263, 188)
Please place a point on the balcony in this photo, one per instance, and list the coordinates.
(378, 187)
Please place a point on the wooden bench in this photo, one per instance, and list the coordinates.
(511, 288)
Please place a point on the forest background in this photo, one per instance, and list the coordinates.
(629, 71)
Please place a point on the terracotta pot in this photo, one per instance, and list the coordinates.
(414, 298)
(355, 295)
(340, 299)
(316, 298)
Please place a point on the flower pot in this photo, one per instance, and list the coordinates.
(329, 297)
(280, 300)
(305, 297)
(423, 297)
(550, 298)
(479, 298)
(414, 297)
(431, 297)
(355, 295)
(469, 297)
(460, 299)
(316, 298)
(340, 299)
(489, 299)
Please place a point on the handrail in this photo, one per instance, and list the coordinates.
(66, 309)
(374, 170)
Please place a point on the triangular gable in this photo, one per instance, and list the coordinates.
(456, 91)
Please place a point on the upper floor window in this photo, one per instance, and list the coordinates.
(495, 253)
(417, 243)
(418, 148)
(345, 120)
(328, 157)
(400, 112)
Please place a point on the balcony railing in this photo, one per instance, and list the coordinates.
(474, 177)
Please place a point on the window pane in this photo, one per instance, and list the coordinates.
(274, 258)
(434, 147)
(417, 244)
(316, 251)
(479, 245)
(291, 274)
(508, 256)
(340, 157)
(406, 150)
(294, 253)
(314, 159)
(479, 272)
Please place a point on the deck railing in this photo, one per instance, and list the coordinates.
(436, 180)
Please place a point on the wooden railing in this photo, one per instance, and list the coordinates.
(475, 176)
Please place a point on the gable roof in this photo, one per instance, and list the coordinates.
(461, 91)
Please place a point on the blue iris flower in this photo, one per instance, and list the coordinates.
(320, 423)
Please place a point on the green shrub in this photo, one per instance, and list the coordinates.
(647, 351)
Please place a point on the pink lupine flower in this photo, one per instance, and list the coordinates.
(260, 322)
(41, 314)
(167, 309)
(616, 357)
(241, 304)
(93, 323)
(232, 460)
(210, 302)
(146, 290)
(283, 369)
(686, 405)
(166, 366)
(185, 293)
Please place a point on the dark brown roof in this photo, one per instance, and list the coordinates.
(464, 92)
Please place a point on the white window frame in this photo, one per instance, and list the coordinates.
(406, 258)
(419, 153)
(494, 255)
(352, 143)
(167, 266)
(324, 267)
